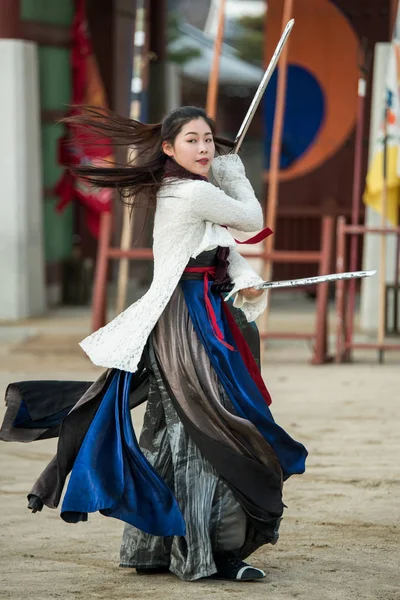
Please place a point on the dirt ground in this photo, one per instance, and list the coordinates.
(340, 537)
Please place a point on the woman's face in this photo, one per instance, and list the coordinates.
(193, 147)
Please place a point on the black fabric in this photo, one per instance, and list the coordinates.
(205, 259)
(73, 429)
(218, 258)
(46, 398)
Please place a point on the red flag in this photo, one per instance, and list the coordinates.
(77, 147)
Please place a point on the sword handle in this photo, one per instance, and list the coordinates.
(220, 288)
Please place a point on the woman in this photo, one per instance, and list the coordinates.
(203, 489)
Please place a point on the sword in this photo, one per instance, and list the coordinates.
(269, 285)
(261, 88)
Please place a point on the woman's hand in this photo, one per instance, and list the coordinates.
(251, 293)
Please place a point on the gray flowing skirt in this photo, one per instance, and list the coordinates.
(215, 520)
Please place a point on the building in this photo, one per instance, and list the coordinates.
(35, 70)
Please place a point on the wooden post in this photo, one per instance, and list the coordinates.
(321, 322)
(355, 213)
(396, 282)
(212, 92)
(273, 179)
(383, 252)
(99, 308)
(340, 288)
(123, 271)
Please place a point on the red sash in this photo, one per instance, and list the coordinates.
(210, 272)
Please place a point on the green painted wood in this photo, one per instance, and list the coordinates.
(55, 78)
(51, 134)
(57, 231)
(58, 228)
(56, 12)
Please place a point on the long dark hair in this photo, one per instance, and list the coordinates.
(142, 176)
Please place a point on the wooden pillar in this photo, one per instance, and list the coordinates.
(157, 96)
(158, 28)
(392, 16)
(124, 23)
(9, 19)
(213, 81)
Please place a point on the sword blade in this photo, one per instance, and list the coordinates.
(261, 88)
(268, 285)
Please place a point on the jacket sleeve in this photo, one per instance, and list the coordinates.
(243, 276)
(235, 204)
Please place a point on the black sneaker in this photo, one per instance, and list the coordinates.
(235, 569)
(152, 570)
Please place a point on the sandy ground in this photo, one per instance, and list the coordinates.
(340, 537)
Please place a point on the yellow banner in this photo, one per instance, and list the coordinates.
(373, 194)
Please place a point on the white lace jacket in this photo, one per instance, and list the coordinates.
(187, 222)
